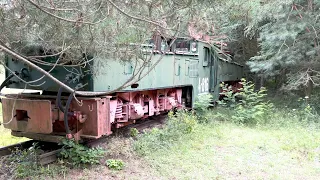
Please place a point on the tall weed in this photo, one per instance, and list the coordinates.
(201, 106)
(203, 102)
(77, 154)
(24, 164)
(249, 106)
(179, 125)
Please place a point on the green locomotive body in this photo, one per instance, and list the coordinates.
(164, 80)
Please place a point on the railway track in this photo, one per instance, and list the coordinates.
(49, 150)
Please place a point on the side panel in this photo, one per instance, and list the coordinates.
(222, 71)
(173, 70)
(168, 72)
(229, 72)
(97, 113)
(72, 76)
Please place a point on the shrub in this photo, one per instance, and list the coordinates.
(115, 164)
(252, 107)
(134, 132)
(203, 102)
(24, 162)
(201, 106)
(77, 154)
(229, 97)
(183, 122)
(307, 111)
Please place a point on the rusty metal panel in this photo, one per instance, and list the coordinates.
(104, 116)
(27, 115)
(88, 107)
(97, 110)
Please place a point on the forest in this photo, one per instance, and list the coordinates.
(271, 133)
(277, 41)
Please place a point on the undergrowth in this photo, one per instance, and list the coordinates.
(77, 154)
(24, 164)
(247, 107)
(254, 108)
(178, 126)
(244, 129)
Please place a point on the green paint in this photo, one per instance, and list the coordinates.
(201, 68)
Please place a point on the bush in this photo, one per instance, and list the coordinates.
(252, 107)
(203, 102)
(115, 164)
(201, 106)
(183, 122)
(306, 111)
(134, 132)
(77, 154)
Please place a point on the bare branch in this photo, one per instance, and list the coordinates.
(58, 17)
(134, 17)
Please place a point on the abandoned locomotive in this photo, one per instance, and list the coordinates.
(166, 80)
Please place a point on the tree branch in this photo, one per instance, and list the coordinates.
(134, 17)
(58, 17)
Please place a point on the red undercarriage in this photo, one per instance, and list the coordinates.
(92, 118)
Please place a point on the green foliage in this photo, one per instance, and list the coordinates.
(289, 44)
(24, 164)
(115, 164)
(182, 124)
(203, 102)
(229, 97)
(306, 112)
(78, 154)
(252, 107)
(303, 109)
(134, 132)
(201, 106)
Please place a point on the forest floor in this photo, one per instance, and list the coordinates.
(218, 150)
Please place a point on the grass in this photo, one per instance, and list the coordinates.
(286, 147)
(8, 139)
(224, 150)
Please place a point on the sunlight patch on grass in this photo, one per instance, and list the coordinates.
(6, 137)
(227, 151)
